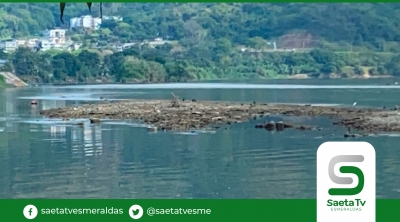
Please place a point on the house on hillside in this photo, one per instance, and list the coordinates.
(128, 45)
(157, 42)
(56, 35)
(74, 46)
(45, 45)
(112, 18)
(86, 21)
(9, 45)
(31, 43)
(3, 62)
(20, 42)
(52, 38)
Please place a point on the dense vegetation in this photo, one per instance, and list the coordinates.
(2, 82)
(236, 21)
(334, 39)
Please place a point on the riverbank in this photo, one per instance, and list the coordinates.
(10, 79)
(279, 77)
(186, 115)
(3, 83)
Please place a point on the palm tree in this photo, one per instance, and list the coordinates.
(89, 4)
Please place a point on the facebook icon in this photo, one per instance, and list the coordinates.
(30, 212)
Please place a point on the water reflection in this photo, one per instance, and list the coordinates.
(41, 158)
(231, 86)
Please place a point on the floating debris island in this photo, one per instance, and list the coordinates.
(183, 115)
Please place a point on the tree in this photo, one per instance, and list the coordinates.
(3, 55)
(90, 60)
(142, 70)
(177, 70)
(322, 56)
(60, 72)
(359, 70)
(25, 61)
(195, 34)
(393, 66)
(223, 45)
(113, 64)
(71, 64)
(258, 43)
(329, 68)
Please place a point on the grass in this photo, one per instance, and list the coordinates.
(3, 83)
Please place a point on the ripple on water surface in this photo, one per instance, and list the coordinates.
(43, 158)
(229, 86)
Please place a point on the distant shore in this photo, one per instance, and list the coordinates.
(186, 115)
(293, 77)
(305, 76)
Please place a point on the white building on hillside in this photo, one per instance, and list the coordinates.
(31, 43)
(8, 45)
(45, 45)
(20, 42)
(56, 36)
(52, 38)
(86, 21)
(54, 33)
(3, 62)
(112, 18)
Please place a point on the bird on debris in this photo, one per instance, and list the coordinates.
(355, 103)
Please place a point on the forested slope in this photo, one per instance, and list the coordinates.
(345, 39)
(353, 22)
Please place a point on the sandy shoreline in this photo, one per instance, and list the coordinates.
(198, 115)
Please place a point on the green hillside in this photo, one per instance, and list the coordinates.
(235, 21)
(344, 39)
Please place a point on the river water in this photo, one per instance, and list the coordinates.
(41, 158)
